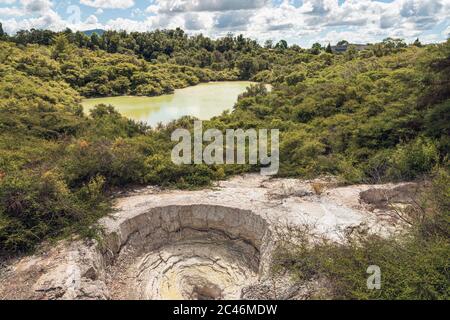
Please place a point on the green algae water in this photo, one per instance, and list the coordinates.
(203, 101)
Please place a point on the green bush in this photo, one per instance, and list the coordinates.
(295, 78)
(35, 207)
(414, 159)
(413, 266)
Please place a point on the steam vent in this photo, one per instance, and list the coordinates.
(208, 244)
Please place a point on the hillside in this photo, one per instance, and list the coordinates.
(372, 116)
(89, 33)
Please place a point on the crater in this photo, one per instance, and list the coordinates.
(193, 252)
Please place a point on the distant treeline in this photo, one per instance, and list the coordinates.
(177, 47)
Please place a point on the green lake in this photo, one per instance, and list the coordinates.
(203, 101)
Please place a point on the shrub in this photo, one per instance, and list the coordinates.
(414, 159)
(35, 207)
(295, 78)
(413, 265)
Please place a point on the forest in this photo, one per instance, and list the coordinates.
(376, 115)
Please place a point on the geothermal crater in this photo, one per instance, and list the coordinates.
(206, 244)
(187, 252)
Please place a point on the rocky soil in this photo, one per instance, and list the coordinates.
(208, 244)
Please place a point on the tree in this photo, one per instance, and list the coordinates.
(248, 67)
(328, 49)
(226, 43)
(394, 43)
(81, 40)
(417, 43)
(316, 48)
(3, 35)
(343, 43)
(268, 44)
(95, 41)
(351, 53)
(112, 41)
(61, 45)
(282, 44)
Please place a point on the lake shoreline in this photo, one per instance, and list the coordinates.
(168, 94)
(158, 95)
(203, 101)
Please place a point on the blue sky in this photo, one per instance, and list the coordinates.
(298, 21)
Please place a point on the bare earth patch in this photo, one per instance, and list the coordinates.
(208, 244)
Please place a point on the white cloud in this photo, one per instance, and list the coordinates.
(108, 4)
(305, 22)
(13, 11)
(319, 7)
(91, 20)
(173, 6)
(49, 20)
(36, 6)
(128, 24)
(323, 20)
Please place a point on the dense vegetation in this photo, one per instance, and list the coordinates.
(381, 114)
(166, 46)
(98, 73)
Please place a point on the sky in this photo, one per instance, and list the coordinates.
(300, 22)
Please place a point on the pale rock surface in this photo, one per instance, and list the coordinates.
(207, 244)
